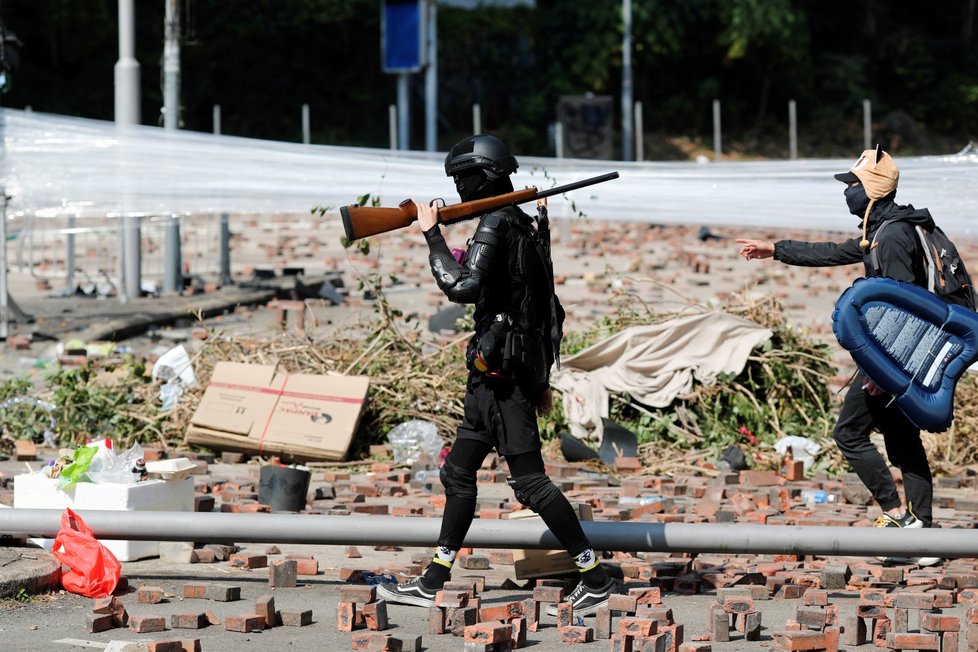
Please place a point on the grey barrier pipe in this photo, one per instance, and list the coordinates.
(491, 533)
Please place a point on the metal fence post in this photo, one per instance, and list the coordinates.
(172, 274)
(225, 250)
(867, 124)
(70, 256)
(792, 130)
(717, 145)
(639, 133)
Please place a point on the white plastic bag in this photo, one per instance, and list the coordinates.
(410, 439)
(802, 449)
(175, 368)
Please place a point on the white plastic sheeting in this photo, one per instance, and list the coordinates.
(55, 165)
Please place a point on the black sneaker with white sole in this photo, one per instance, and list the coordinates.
(907, 520)
(413, 592)
(586, 600)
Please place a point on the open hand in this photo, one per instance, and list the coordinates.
(756, 249)
(872, 388)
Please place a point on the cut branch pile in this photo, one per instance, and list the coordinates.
(783, 390)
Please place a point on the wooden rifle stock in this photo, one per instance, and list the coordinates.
(365, 221)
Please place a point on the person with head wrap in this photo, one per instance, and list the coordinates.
(507, 273)
(870, 194)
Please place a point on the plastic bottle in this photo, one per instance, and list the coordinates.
(813, 497)
(424, 475)
(638, 501)
(139, 470)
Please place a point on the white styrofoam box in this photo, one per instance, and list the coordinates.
(36, 491)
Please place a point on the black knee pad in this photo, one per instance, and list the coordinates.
(535, 490)
(458, 481)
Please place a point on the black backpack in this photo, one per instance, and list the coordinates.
(947, 276)
(541, 317)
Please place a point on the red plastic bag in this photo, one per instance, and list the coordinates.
(94, 570)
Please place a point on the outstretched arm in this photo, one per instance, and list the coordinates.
(804, 254)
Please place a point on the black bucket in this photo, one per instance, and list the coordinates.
(283, 488)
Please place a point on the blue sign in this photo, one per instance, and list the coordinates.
(402, 24)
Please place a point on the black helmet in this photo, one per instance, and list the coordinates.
(482, 152)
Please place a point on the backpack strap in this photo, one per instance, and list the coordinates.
(874, 256)
(932, 265)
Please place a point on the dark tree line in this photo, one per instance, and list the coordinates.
(262, 59)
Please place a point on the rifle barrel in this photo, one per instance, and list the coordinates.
(559, 190)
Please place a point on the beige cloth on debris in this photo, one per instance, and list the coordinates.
(653, 364)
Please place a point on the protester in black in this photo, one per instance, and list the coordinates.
(508, 275)
(896, 253)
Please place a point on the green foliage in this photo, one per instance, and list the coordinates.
(23, 416)
(88, 402)
(93, 402)
(782, 390)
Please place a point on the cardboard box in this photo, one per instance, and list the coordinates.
(544, 563)
(253, 408)
(37, 491)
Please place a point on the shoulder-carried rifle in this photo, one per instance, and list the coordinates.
(364, 221)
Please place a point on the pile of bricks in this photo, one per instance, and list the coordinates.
(109, 613)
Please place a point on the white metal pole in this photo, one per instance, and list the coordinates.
(216, 119)
(132, 256)
(485, 533)
(403, 110)
(717, 144)
(792, 130)
(127, 113)
(431, 81)
(639, 133)
(127, 68)
(171, 65)
(476, 119)
(867, 124)
(70, 256)
(626, 81)
(306, 129)
(392, 124)
(559, 139)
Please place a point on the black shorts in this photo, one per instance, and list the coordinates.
(498, 413)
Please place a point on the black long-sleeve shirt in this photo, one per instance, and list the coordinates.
(898, 248)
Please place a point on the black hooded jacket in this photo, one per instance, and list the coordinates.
(898, 248)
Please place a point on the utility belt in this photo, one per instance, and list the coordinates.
(498, 351)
